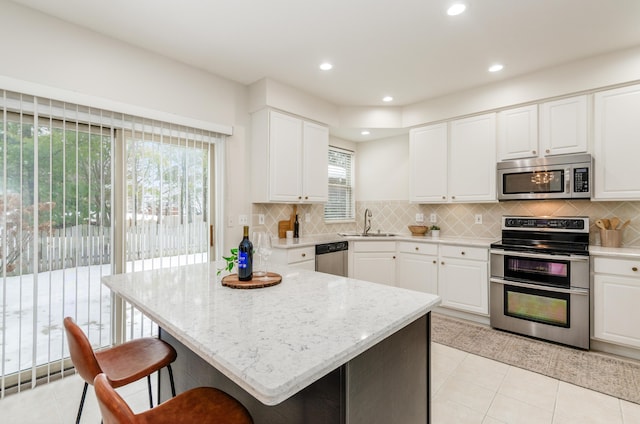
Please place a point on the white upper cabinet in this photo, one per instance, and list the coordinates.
(472, 159)
(289, 159)
(428, 164)
(518, 133)
(553, 128)
(454, 162)
(315, 151)
(617, 144)
(563, 126)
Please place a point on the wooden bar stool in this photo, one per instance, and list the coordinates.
(123, 364)
(199, 405)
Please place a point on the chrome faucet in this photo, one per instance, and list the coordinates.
(366, 227)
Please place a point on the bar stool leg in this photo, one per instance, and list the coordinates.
(84, 394)
(173, 385)
(150, 395)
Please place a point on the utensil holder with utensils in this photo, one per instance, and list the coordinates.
(611, 231)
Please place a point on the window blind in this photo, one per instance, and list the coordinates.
(341, 203)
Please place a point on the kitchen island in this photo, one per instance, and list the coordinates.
(314, 348)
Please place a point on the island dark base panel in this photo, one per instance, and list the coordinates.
(388, 383)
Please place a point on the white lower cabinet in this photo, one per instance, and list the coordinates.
(616, 301)
(457, 273)
(374, 261)
(417, 267)
(463, 279)
(298, 257)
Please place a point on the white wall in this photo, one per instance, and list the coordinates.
(607, 70)
(82, 64)
(382, 169)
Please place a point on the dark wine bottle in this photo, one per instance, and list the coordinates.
(245, 257)
(296, 228)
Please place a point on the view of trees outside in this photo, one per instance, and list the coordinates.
(63, 181)
(167, 199)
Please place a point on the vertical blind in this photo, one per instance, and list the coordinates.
(341, 203)
(58, 175)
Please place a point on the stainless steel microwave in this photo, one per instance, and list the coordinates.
(554, 177)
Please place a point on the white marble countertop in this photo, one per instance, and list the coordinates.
(619, 252)
(274, 341)
(329, 238)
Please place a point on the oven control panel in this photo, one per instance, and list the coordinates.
(578, 224)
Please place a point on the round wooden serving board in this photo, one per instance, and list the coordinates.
(271, 279)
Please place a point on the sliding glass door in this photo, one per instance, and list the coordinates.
(85, 193)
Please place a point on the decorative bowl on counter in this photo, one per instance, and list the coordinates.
(418, 230)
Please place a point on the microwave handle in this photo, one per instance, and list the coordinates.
(567, 180)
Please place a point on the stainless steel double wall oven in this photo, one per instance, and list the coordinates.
(540, 279)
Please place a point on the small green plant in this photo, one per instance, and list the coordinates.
(232, 259)
(434, 227)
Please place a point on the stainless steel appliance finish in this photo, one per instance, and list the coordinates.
(554, 177)
(331, 258)
(539, 282)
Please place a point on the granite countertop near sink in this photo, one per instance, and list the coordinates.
(330, 238)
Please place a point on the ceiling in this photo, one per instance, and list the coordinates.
(408, 49)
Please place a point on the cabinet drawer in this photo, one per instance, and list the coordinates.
(301, 254)
(374, 246)
(418, 248)
(623, 267)
(464, 252)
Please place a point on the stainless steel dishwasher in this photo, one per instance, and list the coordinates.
(331, 258)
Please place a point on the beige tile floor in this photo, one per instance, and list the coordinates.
(466, 389)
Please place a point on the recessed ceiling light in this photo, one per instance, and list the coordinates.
(365, 132)
(495, 68)
(387, 99)
(456, 9)
(326, 66)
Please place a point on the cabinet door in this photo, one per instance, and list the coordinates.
(518, 133)
(464, 285)
(428, 164)
(563, 126)
(285, 157)
(615, 309)
(377, 267)
(417, 272)
(616, 144)
(472, 159)
(315, 174)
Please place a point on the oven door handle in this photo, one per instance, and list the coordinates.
(584, 292)
(539, 255)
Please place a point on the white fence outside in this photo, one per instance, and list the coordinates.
(86, 245)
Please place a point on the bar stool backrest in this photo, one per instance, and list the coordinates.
(82, 355)
(113, 408)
